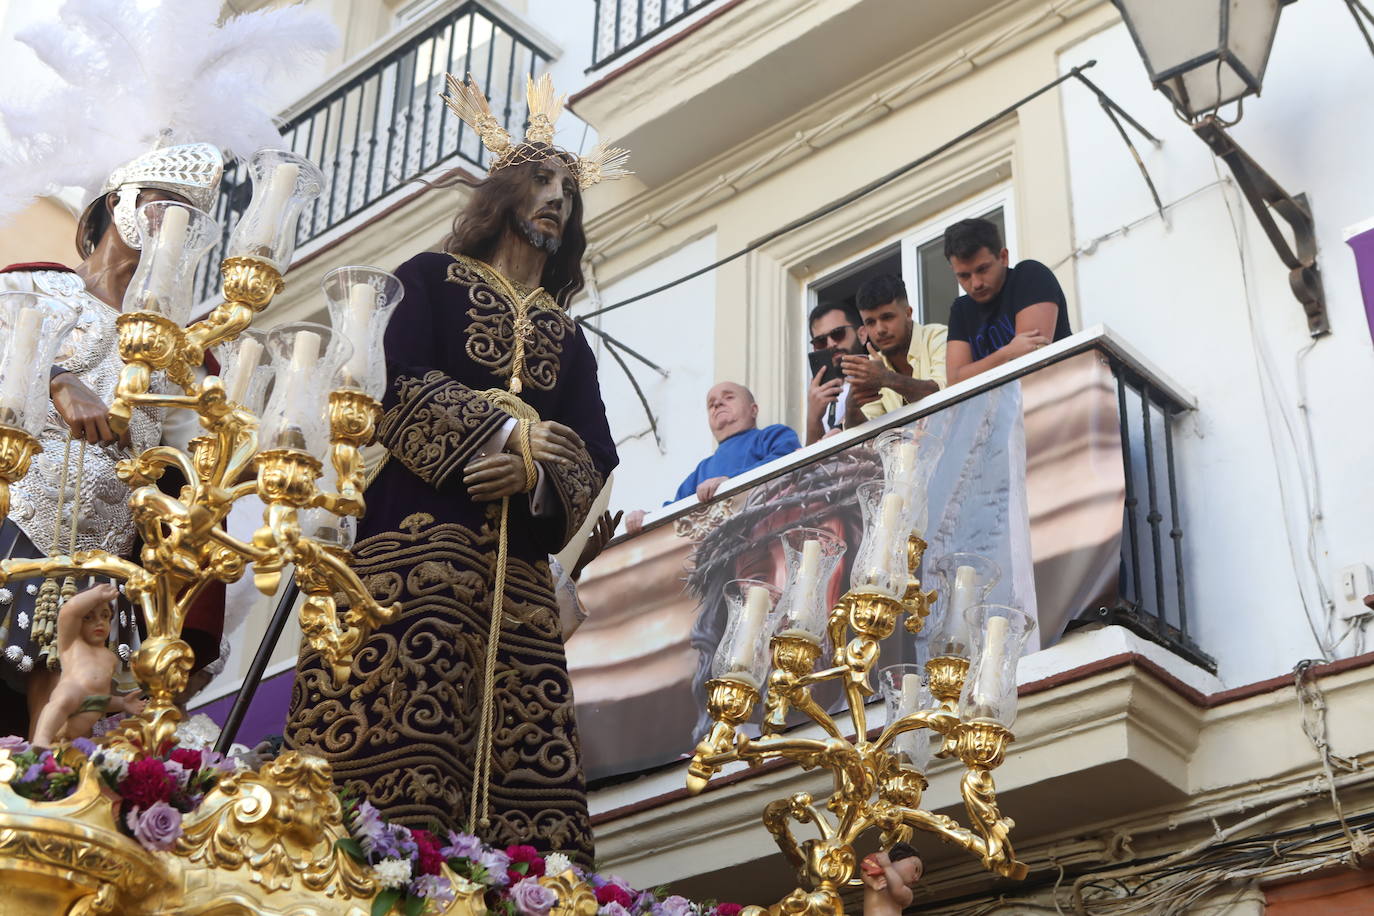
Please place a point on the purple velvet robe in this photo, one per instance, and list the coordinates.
(403, 731)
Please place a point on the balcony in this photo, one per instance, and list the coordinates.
(730, 74)
(381, 123)
(624, 26)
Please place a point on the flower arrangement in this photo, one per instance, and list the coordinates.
(154, 792)
(408, 864)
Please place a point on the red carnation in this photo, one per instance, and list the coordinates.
(727, 909)
(614, 893)
(146, 783)
(427, 847)
(534, 863)
(190, 760)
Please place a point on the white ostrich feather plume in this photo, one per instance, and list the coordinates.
(119, 74)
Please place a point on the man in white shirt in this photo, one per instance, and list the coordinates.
(835, 326)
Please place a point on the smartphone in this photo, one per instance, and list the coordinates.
(824, 358)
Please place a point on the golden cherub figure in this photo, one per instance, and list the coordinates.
(83, 692)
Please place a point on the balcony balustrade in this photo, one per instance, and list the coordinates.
(624, 25)
(384, 124)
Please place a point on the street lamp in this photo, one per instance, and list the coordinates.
(1204, 54)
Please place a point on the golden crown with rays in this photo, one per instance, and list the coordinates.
(604, 163)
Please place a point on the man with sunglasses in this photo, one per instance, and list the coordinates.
(836, 329)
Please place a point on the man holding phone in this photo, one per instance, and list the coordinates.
(836, 332)
(906, 361)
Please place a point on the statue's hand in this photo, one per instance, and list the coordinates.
(82, 410)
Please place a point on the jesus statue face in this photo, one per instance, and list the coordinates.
(543, 213)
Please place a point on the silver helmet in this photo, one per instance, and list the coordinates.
(189, 170)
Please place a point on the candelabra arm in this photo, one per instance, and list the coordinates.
(808, 752)
(224, 323)
(938, 720)
(729, 702)
(980, 800)
(801, 699)
(816, 677)
(775, 820)
(339, 504)
(253, 552)
(83, 563)
(146, 469)
(364, 610)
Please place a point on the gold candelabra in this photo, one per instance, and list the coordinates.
(873, 786)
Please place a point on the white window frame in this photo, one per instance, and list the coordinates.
(933, 228)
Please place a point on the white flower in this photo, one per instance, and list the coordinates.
(556, 863)
(392, 872)
(199, 733)
(113, 763)
(6, 596)
(23, 619)
(13, 653)
(123, 652)
(25, 664)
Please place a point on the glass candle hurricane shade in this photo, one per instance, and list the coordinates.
(175, 237)
(743, 650)
(283, 184)
(247, 371)
(908, 454)
(811, 555)
(306, 361)
(904, 692)
(33, 328)
(999, 637)
(361, 303)
(963, 581)
(881, 562)
(337, 531)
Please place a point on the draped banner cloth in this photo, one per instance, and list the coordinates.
(403, 731)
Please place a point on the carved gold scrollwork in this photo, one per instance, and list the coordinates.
(281, 824)
(575, 896)
(17, 449)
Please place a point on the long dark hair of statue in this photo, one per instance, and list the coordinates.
(477, 229)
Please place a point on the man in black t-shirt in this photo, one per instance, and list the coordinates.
(1006, 312)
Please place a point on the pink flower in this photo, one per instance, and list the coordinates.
(427, 850)
(158, 827)
(614, 893)
(727, 909)
(534, 863)
(146, 783)
(188, 758)
(532, 898)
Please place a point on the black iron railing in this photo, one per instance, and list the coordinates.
(623, 25)
(1152, 598)
(387, 125)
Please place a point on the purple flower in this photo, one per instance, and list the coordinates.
(612, 909)
(158, 827)
(645, 901)
(462, 846)
(213, 760)
(14, 744)
(85, 746)
(532, 898)
(432, 887)
(495, 862)
(34, 771)
(368, 826)
(673, 906)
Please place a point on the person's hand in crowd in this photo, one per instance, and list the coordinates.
(821, 394)
(491, 478)
(82, 410)
(707, 488)
(1025, 342)
(551, 442)
(634, 521)
(601, 535)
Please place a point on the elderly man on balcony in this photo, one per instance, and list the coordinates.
(733, 415)
(1006, 312)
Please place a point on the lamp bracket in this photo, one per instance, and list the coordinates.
(1266, 197)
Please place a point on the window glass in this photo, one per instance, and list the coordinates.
(938, 286)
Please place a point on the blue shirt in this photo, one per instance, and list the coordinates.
(742, 452)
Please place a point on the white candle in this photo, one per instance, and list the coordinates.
(305, 353)
(888, 515)
(906, 461)
(250, 353)
(23, 347)
(965, 588)
(361, 300)
(911, 695)
(990, 664)
(166, 253)
(750, 630)
(808, 573)
(281, 184)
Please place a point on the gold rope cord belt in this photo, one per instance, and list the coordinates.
(479, 803)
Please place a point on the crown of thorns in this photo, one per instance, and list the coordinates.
(464, 99)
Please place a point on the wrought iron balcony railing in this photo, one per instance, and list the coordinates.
(623, 25)
(386, 125)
